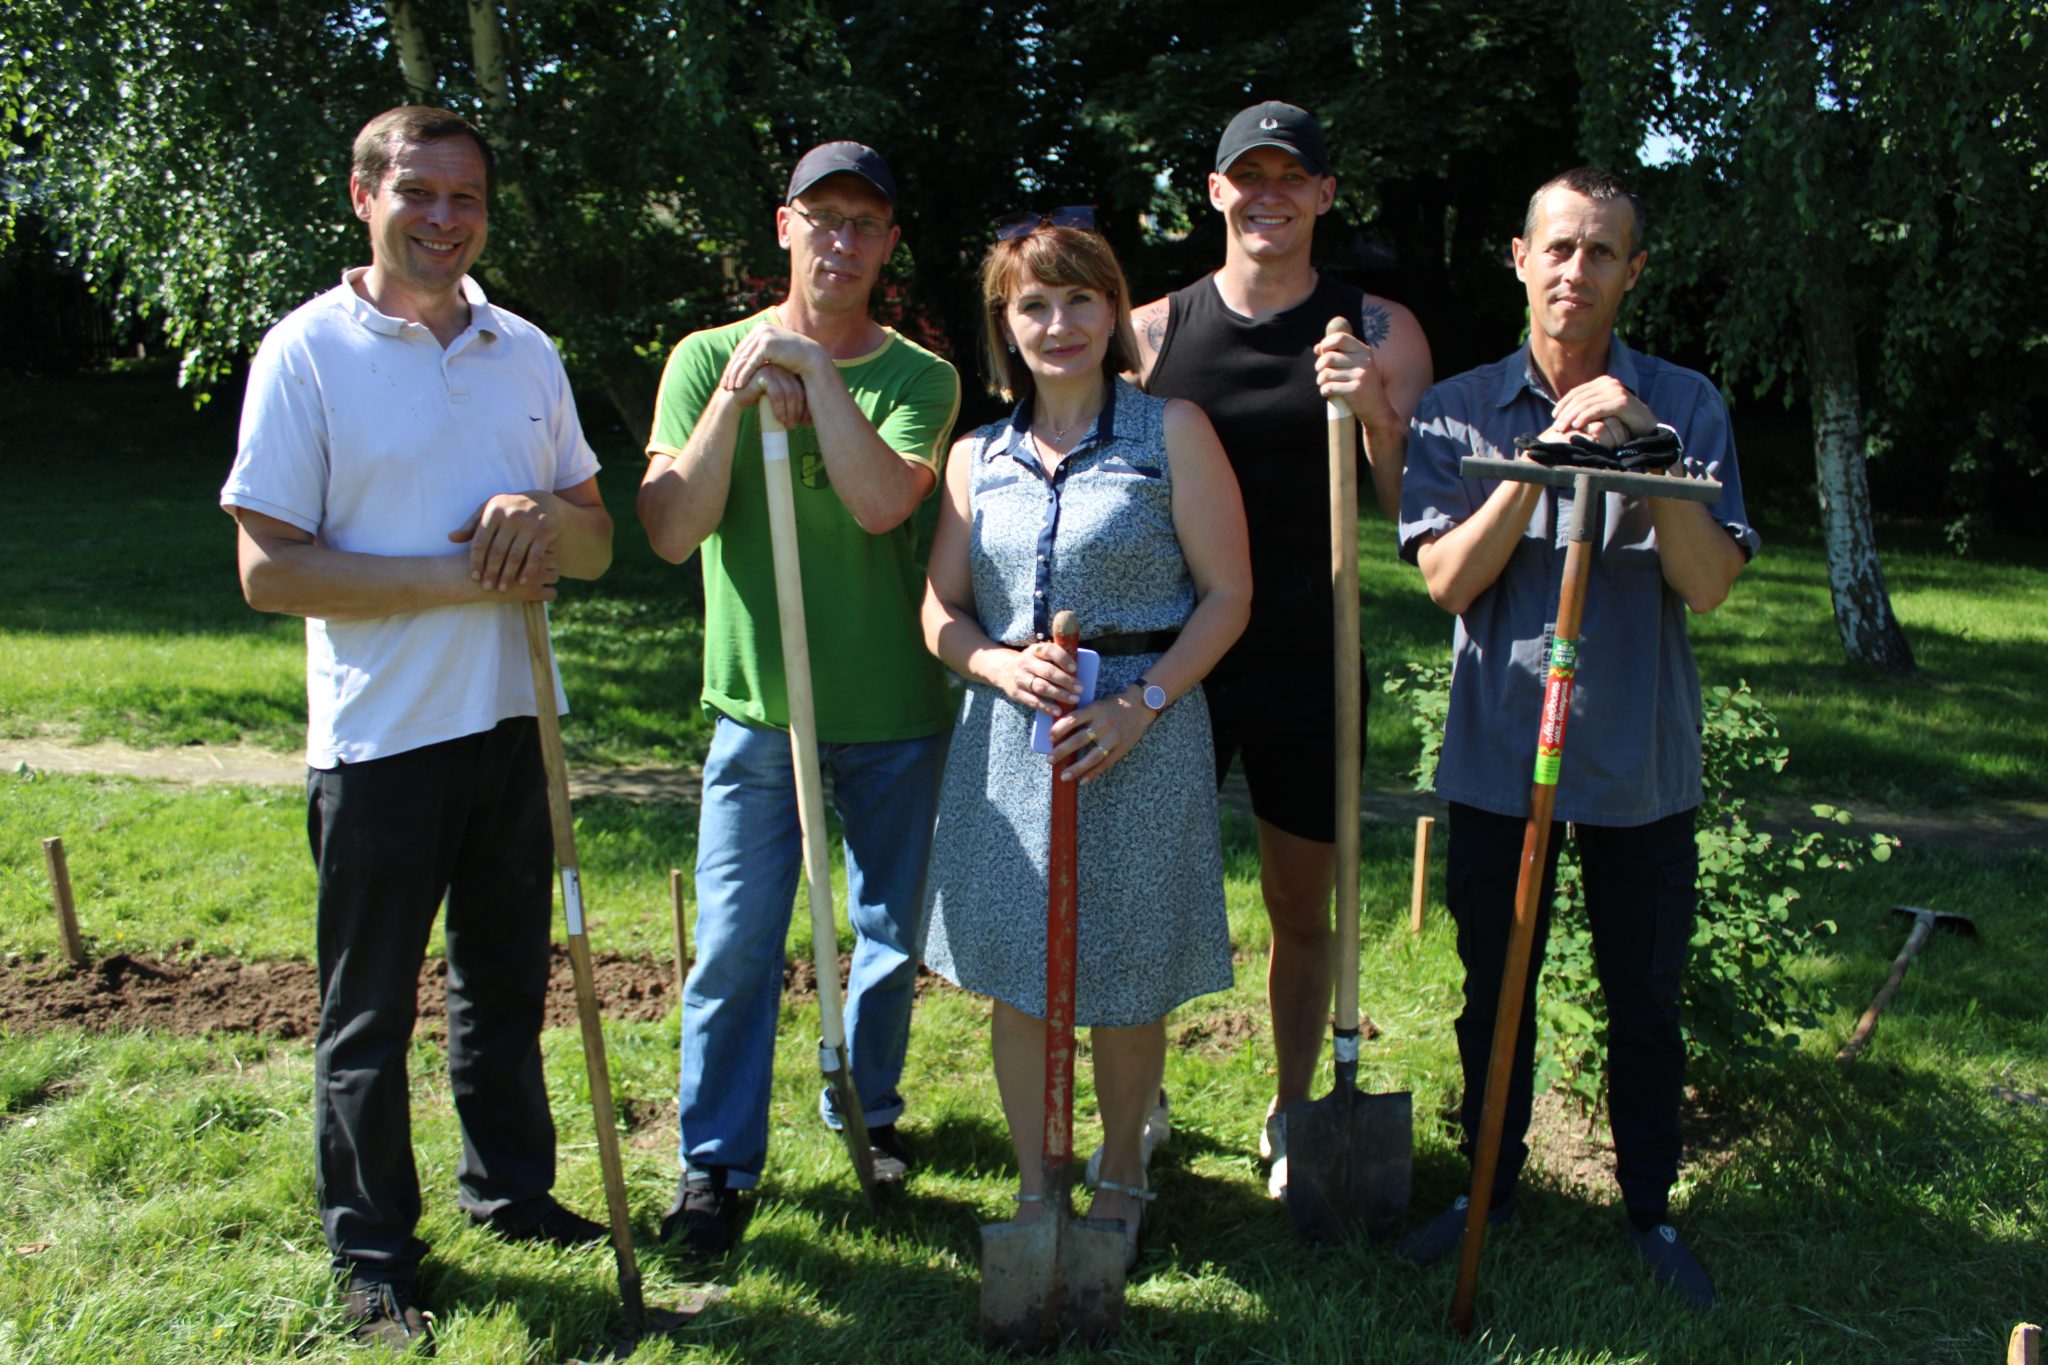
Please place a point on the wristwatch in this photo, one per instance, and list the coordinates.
(1153, 693)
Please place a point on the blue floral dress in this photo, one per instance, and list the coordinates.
(1096, 538)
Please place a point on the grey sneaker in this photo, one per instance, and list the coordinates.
(1672, 1264)
(706, 1214)
(893, 1160)
(1445, 1233)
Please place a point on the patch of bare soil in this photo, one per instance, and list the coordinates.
(1215, 1035)
(800, 981)
(204, 994)
(1577, 1149)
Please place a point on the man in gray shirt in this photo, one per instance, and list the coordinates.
(1492, 553)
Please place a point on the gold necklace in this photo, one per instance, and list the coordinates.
(1059, 434)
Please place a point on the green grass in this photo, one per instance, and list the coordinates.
(159, 1204)
(171, 1178)
(120, 619)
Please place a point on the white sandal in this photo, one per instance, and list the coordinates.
(1144, 1197)
(1158, 1128)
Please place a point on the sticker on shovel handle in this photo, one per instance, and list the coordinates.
(1088, 665)
(1557, 706)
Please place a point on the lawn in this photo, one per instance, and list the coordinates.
(130, 627)
(160, 1203)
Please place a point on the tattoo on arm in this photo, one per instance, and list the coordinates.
(1155, 330)
(1374, 324)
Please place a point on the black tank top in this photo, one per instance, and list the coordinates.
(1256, 380)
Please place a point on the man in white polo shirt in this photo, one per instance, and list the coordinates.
(410, 472)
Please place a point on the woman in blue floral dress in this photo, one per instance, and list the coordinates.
(1094, 498)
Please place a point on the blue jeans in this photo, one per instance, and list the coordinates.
(749, 855)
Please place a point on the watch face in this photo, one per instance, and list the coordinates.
(1155, 696)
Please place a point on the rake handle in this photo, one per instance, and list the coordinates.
(1557, 705)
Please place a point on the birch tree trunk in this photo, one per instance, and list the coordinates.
(1863, 606)
(415, 67)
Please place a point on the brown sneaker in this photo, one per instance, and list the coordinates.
(387, 1315)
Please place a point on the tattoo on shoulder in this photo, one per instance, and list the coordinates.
(1375, 323)
(1154, 327)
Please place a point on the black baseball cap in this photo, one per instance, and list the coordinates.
(1273, 124)
(841, 158)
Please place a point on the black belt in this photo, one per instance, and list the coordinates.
(1138, 642)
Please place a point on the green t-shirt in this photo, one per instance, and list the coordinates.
(872, 676)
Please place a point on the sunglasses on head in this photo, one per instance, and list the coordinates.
(1081, 216)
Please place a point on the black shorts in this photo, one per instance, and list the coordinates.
(1283, 726)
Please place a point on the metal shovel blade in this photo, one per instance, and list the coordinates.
(1046, 1283)
(1350, 1162)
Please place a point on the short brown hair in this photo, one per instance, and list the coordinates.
(1602, 187)
(414, 123)
(1057, 256)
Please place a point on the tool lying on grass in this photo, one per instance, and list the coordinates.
(1058, 1278)
(1925, 922)
(639, 1320)
(1350, 1157)
(1588, 489)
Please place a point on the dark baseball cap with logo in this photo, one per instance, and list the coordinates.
(841, 158)
(1273, 124)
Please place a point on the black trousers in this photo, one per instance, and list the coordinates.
(467, 819)
(1641, 894)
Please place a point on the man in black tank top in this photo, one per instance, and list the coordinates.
(1247, 344)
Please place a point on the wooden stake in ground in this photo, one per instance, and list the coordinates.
(60, 895)
(682, 934)
(1420, 892)
(2023, 1347)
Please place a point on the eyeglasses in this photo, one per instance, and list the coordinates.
(1017, 225)
(825, 220)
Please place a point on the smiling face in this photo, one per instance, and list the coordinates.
(835, 271)
(428, 218)
(1061, 331)
(1270, 203)
(1577, 263)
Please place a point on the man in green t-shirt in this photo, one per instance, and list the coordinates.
(868, 414)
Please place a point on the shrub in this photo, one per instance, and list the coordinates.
(1744, 1005)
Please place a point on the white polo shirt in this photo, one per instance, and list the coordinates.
(365, 431)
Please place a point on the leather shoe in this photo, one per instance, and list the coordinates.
(1672, 1263)
(554, 1224)
(387, 1316)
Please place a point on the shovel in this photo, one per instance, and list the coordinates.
(1060, 1277)
(1587, 485)
(640, 1321)
(810, 799)
(1349, 1156)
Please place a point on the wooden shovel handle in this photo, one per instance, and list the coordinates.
(1343, 441)
(596, 1070)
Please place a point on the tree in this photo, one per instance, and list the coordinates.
(195, 155)
(1855, 182)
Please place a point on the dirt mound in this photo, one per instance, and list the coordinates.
(201, 994)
